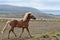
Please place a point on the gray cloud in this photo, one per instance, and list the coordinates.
(39, 4)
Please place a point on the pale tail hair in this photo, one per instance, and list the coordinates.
(5, 27)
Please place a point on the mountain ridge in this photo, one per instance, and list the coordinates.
(8, 11)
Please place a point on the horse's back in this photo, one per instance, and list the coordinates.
(16, 23)
(13, 22)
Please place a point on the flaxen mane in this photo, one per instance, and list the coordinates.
(26, 15)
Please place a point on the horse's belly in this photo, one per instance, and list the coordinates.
(19, 26)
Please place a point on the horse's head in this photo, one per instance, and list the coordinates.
(30, 16)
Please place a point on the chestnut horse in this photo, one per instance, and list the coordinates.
(23, 23)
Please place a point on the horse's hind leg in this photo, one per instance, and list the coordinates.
(9, 32)
(14, 32)
(12, 29)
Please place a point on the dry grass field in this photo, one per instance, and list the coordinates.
(39, 30)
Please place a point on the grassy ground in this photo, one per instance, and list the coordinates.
(39, 30)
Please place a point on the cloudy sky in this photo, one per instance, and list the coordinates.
(39, 4)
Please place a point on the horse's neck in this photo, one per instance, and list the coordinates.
(27, 20)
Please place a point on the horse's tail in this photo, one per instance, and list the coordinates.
(5, 27)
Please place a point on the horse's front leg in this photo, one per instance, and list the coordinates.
(28, 31)
(22, 32)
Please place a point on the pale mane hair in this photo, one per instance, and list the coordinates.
(26, 15)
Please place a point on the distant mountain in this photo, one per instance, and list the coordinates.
(8, 11)
(55, 12)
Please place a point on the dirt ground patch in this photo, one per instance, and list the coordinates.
(35, 27)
